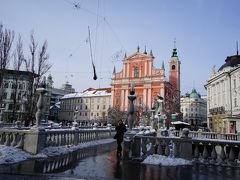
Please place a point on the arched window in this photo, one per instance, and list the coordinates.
(136, 72)
(173, 67)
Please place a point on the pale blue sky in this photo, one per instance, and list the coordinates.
(206, 32)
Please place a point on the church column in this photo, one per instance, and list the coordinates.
(112, 97)
(124, 70)
(149, 68)
(126, 100)
(122, 99)
(128, 70)
(145, 68)
(145, 96)
(149, 97)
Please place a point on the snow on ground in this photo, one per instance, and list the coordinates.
(10, 155)
(165, 161)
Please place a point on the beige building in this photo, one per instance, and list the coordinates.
(194, 109)
(223, 97)
(90, 105)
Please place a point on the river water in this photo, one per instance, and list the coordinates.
(101, 163)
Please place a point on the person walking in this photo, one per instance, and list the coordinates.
(121, 129)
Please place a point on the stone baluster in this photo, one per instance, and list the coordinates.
(57, 139)
(196, 152)
(213, 154)
(54, 140)
(160, 149)
(21, 141)
(83, 136)
(167, 150)
(97, 136)
(231, 155)
(80, 136)
(222, 155)
(144, 146)
(2, 138)
(205, 153)
(67, 138)
(7, 141)
(14, 139)
(64, 139)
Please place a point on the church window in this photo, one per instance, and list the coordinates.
(136, 72)
(173, 67)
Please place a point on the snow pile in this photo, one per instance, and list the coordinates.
(165, 161)
(10, 155)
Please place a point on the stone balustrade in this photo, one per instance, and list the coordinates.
(12, 138)
(208, 135)
(34, 140)
(207, 151)
(75, 137)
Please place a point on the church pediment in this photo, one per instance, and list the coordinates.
(137, 56)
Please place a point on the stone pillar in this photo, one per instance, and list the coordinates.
(35, 138)
(136, 147)
(185, 148)
(131, 110)
(34, 141)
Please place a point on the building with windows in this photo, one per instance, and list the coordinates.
(223, 97)
(194, 109)
(89, 106)
(148, 82)
(53, 96)
(16, 88)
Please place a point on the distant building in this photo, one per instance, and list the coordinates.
(15, 90)
(148, 82)
(53, 96)
(194, 109)
(88, 106)
(223, 97)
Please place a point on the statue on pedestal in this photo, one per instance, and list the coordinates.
(131, 98)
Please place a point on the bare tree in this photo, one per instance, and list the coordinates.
(18, 60)
(115, 114)
(43, 64)
(6, 40)
(38, 66)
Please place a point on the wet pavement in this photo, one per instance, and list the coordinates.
(101, 163)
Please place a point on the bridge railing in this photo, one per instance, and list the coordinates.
(208, 135)
(34, 140)
(209, 151)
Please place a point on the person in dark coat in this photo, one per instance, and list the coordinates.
(121, 129)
